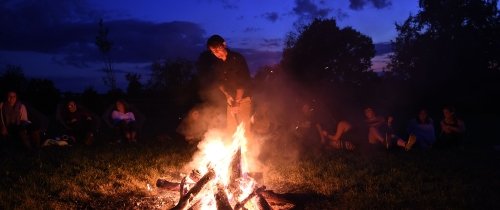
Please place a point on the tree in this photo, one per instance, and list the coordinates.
(449, 42)
(13, 79)
(134, 83)
(323, 55)
(171, 75)
(105, 46)
(43, 95)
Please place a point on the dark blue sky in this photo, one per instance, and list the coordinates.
(54, 39)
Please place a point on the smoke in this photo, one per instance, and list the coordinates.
(282, 130)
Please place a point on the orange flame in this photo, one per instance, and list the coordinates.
(215, 154)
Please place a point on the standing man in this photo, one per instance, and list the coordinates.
(233, 80)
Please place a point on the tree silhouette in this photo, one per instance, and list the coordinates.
(135, 86)
(171, 75)
(322, 55)
(449, 42)
(13, 78)
(105, 46)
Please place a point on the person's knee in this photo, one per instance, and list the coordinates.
(344, 126)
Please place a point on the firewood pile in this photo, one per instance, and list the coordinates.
(211, 191)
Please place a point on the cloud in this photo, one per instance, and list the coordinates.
(259, 58)
(306, 9)
(359, 4)
(227, 4)
(271, 16)
(272, 43)
(69, 28)
(251, 29)
(383, 48)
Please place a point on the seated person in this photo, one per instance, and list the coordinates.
(337, 138)
(422, 128)
(15, 124)
(193, 127)
(78, 122)
(263, 120)
(381, 130)
(124, 122)
(304, 124)
(452, 129)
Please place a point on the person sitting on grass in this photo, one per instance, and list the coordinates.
(193, 127)
(124, 122)
(422, 127)
(381, 130)
(337, 138)
(15, 125)
(452, 129)
(79, 122)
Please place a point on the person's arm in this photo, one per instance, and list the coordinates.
(131, 116)
(460, 128)
(116, 116)
(23, 114)
(229, 98)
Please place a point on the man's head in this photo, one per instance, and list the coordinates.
(11, 98)
(217, 46)
(71, 106)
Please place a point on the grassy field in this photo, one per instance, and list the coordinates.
(107, 176)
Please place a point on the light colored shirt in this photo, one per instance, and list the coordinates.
(13, 115)
(119, 116)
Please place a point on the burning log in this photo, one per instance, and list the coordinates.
(235, 172)
(187, 181)
(274, 199)
(183, 188)
(241, 204)
(164, 184)
(262, 202)
(193, 192)
(221, 198)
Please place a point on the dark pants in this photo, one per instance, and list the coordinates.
(83, 131)
(448, 141)
(25, 134)
(122, 128)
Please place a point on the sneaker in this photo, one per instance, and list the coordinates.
(411, 141)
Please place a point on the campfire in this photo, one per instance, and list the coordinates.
(221, 179)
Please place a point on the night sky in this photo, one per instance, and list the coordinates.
(54, 39)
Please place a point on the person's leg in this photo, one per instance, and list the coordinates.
(342, 127)
(132, 129)
(119, 130)
(34, 133)
(88, 129)
(231, 121)
(22, 134)
(374, 136)
(244, 115)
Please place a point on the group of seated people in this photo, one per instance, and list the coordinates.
(420, 130)
(311, 128)
(78, 124)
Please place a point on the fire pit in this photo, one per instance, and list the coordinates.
(221, 179)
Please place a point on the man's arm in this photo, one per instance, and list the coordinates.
(229, 98)
(23, 114)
